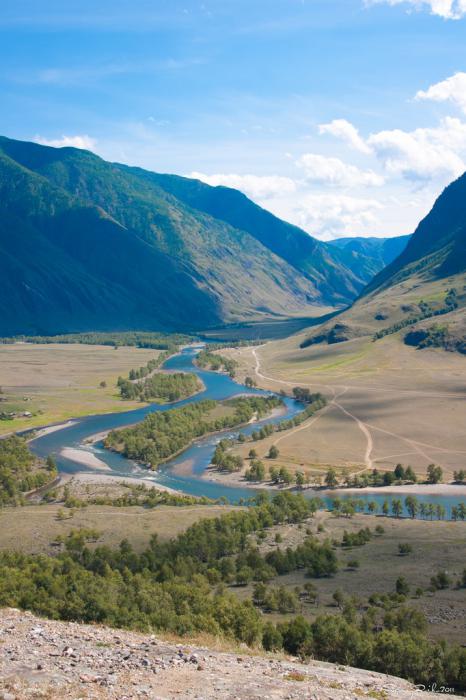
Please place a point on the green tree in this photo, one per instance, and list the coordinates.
(273, 452)
(399, 471)
(331, 478)
(412, 506)
(410, 475)
(300, 479)
(402, 586)
(285, 476)
(397, 508)
(434, 474)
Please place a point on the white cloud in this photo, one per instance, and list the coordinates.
(259, 187)
(78, 141)
(344, 130)
(423, 154)
(333, 215)
(448, 9)
(453, 89)
(333, 171)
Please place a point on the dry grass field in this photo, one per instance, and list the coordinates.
(57, 382)
(388, 403)
(32, 529)
(437, 546)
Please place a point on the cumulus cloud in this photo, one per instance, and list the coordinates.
(333, 171)
(78, 141)
(448, 9)
(453, 89)
(334, 215)
(344, 130)
(260, 187)
(423, 154)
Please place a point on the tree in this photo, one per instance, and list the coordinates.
(252, 453)
(441, 580)
(103, 384)
(285, 475)
(402, 586)
(274, 475)
(434, 474)
(299, 478)
(272, 639)
(372, 507)
(273, 452)
(459, 476)
(397, 508)
(404, 549)
(410, 475)
(331, 479)
(385, 507)
(388, 478)
(50, 464)
(339, 598)
(412, 505)
(244, 576)
(399, 471)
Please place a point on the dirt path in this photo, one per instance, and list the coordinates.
(339, 390)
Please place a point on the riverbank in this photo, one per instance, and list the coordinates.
(409, 489)
(84, 457)
(87, 478)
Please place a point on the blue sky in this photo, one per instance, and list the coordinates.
(346, 117)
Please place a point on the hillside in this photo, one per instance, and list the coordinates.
(58, 660)
(415, 286)
(88, 244)
(336, 273)
(437, 248)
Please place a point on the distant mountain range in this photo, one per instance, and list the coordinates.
(371, 255)
(88, 244)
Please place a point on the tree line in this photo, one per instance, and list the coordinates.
(20, 471)
(162, 434)
(208, 359)
(166, 387)
(139, 339)
(426, 311)
(181, 586)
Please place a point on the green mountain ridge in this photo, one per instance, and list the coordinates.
(88, 244)
(413, 290)
(437, 249)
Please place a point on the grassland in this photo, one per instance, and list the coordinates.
(57, 382)
(387, 402)
(437, 546)
(33, 529)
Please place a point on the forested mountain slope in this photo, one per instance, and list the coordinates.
(86, 244)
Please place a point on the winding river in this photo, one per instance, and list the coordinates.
(196, 458)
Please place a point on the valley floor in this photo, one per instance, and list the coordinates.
(53, 383)
(387, 403)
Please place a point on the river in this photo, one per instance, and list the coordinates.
(217, 386)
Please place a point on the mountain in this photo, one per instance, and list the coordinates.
(88, 244)
(437, 248)
(371, 255)
(332, 271)
(414, 290)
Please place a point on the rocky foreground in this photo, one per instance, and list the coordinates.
(56, 660)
